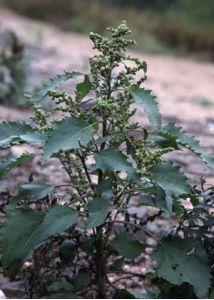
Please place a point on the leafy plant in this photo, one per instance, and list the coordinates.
(13, 70)
(113, 165)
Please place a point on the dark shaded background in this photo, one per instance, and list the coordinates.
(179, 27)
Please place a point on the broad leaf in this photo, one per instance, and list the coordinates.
(83, 88)
(127, 245)
(111, 160)
(16, 132)
(67, 252)
(189, 142)
(33, 191)
(68, 134)
(98, 210)
(61, 290)
(150, 106)
(9, 164)
(183, 260)
(35, 138)
(170, 179)
(163, 139)
(10, 133)
(53, 84)
(81, 281)
(32, 228)
(158, 199)
(104, 189)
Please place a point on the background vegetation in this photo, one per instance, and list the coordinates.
(178, 27)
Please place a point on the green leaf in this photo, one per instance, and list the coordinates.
(16, 132)
(117, 264)
(14, 246)
(53, 84)
(104, 189)
(68, 134)
(145, 98)
(98, 210)
(81, 281)
(111, 160)
(183, 260)
(9, 164)
(33, 191)
(32, 228)
(123, 294)
(61, 290)
(158, 199)
(170, 179)
(163, 139)
(35, 138)
(10, 133)
(62, 285)
(127, 245)
(83, 88)
(189, 142)
(67, 252)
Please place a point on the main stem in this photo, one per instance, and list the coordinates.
(100, 241)
(100, 263)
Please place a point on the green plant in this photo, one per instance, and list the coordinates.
(13, 70)
(113, 165)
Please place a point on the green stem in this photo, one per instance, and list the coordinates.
(86, 171)
(101, 264)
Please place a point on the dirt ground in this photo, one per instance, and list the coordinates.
(184, 89)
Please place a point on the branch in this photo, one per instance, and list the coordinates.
(86, 171)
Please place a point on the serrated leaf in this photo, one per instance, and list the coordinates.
(16, 132)
(54, 83)
(183, 260)
(172, 182)
(163, 139)
(32, 228)
(35, 138)
(33, 191)
(147, 100)
(157, 200)
(10, 132)
(170, 179)
(189, 142)
(98, 210)
(9, 164)
(67, 134)
(111, 160)
(83, 88)
(127, 245)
